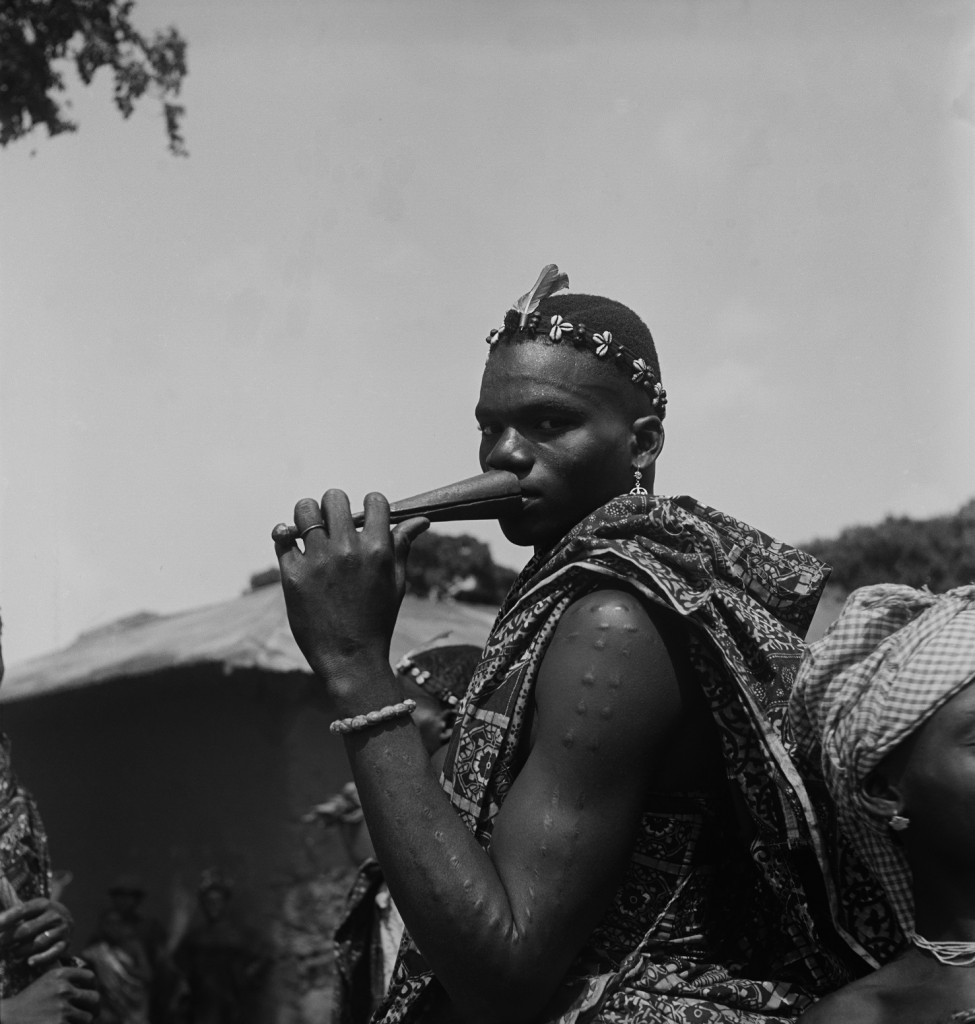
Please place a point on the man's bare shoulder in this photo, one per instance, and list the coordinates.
(614, 619)
(608, 671)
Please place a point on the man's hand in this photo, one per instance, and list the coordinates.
(64, 995)
(37, 931)
(344, 590)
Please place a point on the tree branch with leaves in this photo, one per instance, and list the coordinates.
(39, 39)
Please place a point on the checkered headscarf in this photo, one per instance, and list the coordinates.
(892, 658)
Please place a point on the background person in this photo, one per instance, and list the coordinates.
(367, 939)
(885, 703)
(121, 967)
(127, 895)
(223, 963)
(37, 980)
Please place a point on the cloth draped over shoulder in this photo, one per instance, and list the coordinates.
(726, 913)
(25, 868)
(889, 661)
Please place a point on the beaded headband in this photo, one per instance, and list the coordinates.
(524, 319)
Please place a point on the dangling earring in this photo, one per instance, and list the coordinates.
(637, 489)
(898, 823)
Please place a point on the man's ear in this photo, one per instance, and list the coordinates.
(646, 441)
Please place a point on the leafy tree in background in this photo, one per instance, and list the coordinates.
(36, 36)
(938, 553)
(459, 567)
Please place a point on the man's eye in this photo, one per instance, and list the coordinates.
(487, 430)
(552, 423)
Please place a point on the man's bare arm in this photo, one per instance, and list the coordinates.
(501, 929)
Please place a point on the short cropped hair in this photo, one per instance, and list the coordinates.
(601, 314)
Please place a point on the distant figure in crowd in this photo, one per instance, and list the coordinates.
(368, 937)
(618, 833)
(223, 964)
(127, 895)
(886, 703)
(119, 961)
(38, 982)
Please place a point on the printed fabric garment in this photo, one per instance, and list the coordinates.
(25, 869)
(729, 911)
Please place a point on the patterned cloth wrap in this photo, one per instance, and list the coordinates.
(720, 917)
(892, 658)
(25, 869)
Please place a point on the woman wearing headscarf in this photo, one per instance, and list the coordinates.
(885, 705)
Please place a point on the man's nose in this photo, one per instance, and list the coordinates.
(510, 453)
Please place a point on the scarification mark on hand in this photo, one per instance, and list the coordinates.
(589, 679)
(599, 644)
(581, 708)
(606, 712)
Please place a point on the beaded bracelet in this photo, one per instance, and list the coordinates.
(357, 722)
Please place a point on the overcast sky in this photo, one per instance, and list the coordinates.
(783, 190)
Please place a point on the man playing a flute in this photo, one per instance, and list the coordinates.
(618, 833)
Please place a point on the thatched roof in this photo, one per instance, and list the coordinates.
(248, 632)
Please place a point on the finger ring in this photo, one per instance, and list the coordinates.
(308, 529)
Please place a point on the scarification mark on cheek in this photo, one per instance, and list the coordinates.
(589, 679)
(569, 740)
(615, 681)
(581, 708)
(628, 627)
(599, 644)
(606, 712)
(439, 836)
